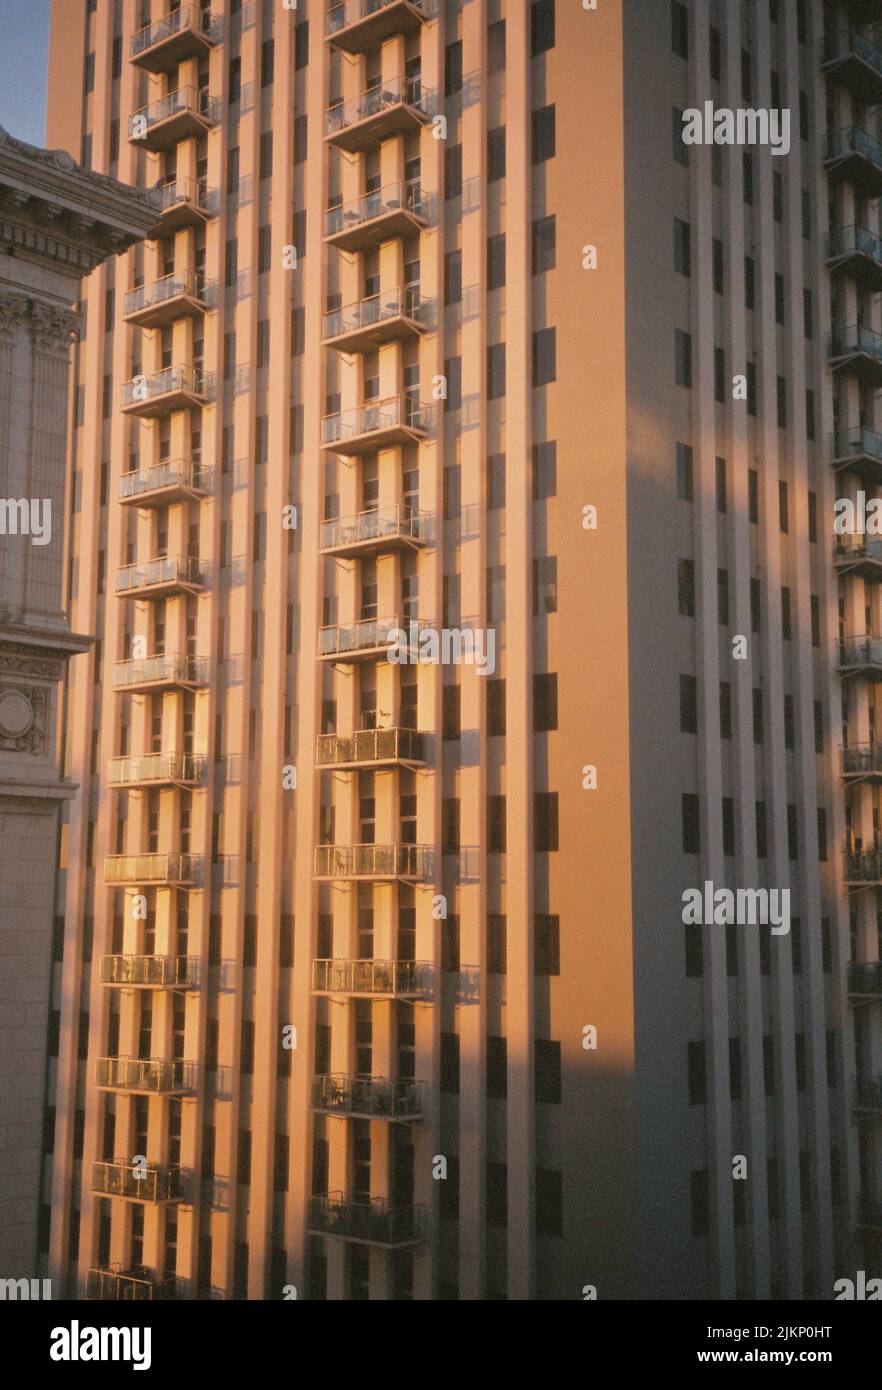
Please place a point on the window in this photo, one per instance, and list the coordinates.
(682, 358)
(691, 827)
(696, 1073)
(453, 373)
(453, 68)
(267, 63)
(496, 47)
(495, 482)
(782, 402)
(758, 721)
(684, 472)
(546, 944)
(808, 312)
(453, 277)
(721, 485)
(450, 716)
(266, 154)
(680, 150)
(719, 375)
(496, 824)
(779, 298)
(541, 27)
(544, 470)
(750, 373)
(686, 588)
(450, 944)
(680, 29)
(453, 171)
(752, 495)
(450, 825)
(495, 371)
(496, 262)
(544, 702)
(264, 249)
(718, 260)
(544, 140)
(682, 250)
(495, 943)
(747, 175)
(786, 626)
(545, 821)
(544, 356)
(688, 705)
(783, 509)
(725, 710)
(810, 414)
(755, 604)
(813, 516)
(749, 283)
(549, 1202)
(792, 832)
(450, 1064)
(546, 1063)
(545, 584)
(497, 1072)
(301, 44)
(496, 154)
(235, 85)
(495, 708)
(723, 597)
(716, 54)
(816, 620)
(544, 245)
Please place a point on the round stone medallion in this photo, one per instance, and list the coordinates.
(16, 713)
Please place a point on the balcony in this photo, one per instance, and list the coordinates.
(861, 656)
(370, 748)
(861, 762)
(145, 1076)
(373, 979)
(859, 450)
(857, 252)
(156, 770)
(858, 350)
(384, 863)
(158, 1184)
(160, 578)
(397, 107)
(359, 25)
(149, 972)
(385, 529)
(129, 1284)
(855, 156)
(863, 868)
(854, 60)
(857, 554)
(166, 672)
(173, 297)
(365, 640)
(174, 388)
(379, 425)
(168, 870)
(185, 203)
(188, 32)
(401, 314)
(368, 1097)
(398, 210)
(865, 981)
(184, 114)
(868, 1095)
(174, 480)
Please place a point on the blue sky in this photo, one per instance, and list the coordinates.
(24, 37)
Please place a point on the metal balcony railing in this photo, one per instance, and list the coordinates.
(365, 313)
(394, 412)
(864, 865)
(183, 101)
(861, 758)
(401, 196)
(856, 338)
(865, 977)
(367, 634)
(149, 972)
(855, 548)
(846, 42)
(372, 1223)
(129, 1284)
(172, 473)
(152, 868)
(159, 670)
(154, 767)
(407, 91)
(851, 241)
(855, 652)
(382, 523)
(192, 381)
(868, 1093)
(853, 140)
(370, 1095)
(193, 191)
(857, 443)
(389, 977)
(165, 569)
(188, 16)
(155, 1183)
(370, 746)
(373, 861)
(161, 291)
(144, 1074)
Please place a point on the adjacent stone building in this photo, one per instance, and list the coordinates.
(57, 222)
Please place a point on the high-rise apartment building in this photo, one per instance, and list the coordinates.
(376, 982)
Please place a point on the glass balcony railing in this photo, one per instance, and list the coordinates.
(856, 548)
(155, 767)
(152, 868)
(184, 101)
(372, 1223)
(860, 651)
(389, 977)
(865, 978)
(861, 759)
(166, 569)
(868, 1093)
(373, 861)
(384, 523)
(394, 413)
(168, 669)
(863, 866)
(369, 746)
(160, 477)
(188, 381)
(854, 141)
(852, 241)
(149, 972)
(379, 309)
(372, 1096)
(399, 91)
(846, 42)
(153, 1183)
(187, 16)
(129, 1284)
(406, 197)
(857, 443)
(856, 339)
(343, 13)
(369, 634)
(144, 1074)
(194, 192)
(161, 291)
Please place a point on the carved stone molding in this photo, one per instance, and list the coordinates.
(23, 662)
(13, 309)
(53, 329)
(24, 719)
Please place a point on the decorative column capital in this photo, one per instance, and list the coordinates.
(53, 329)
(13, 310)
